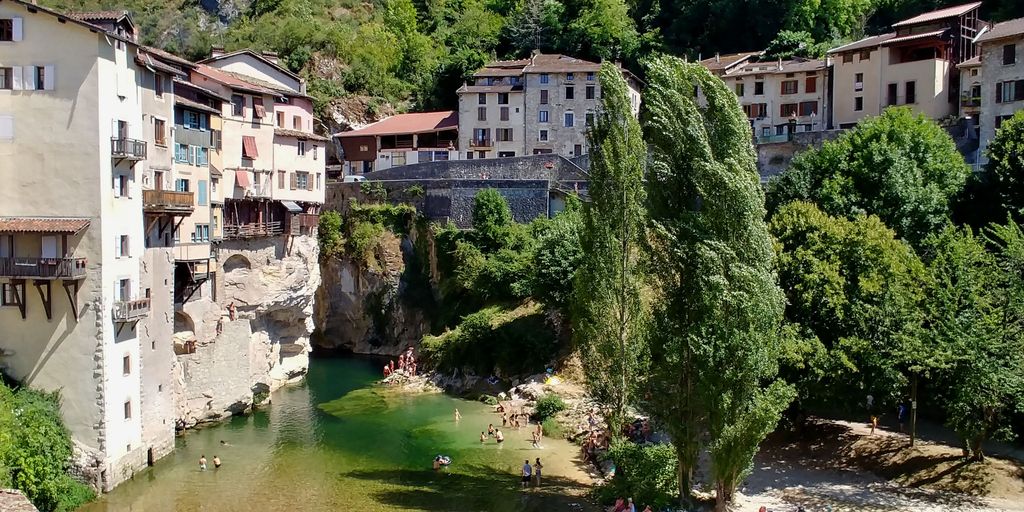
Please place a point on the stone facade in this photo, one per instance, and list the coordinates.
(1002, 75)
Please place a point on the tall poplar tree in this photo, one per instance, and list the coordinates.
(608, 312)
(716, 340)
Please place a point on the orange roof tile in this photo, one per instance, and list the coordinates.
(43, 224)
(418, 122)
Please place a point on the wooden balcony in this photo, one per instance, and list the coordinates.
(253, 230)
(168, 201)
(43, 268)
(130, 310)
(130, 149)
(304, 223)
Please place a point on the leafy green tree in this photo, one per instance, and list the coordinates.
(789, 44)
(329, 234)
(535, 24)
(1004, 171)
(899, 166)
(491, 219)
(557, 257)
(716, 340)
(608, 310)
(826, 20)
(854, 293)
(600, 29)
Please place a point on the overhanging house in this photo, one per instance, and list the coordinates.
(401, 140)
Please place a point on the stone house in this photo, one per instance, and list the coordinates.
(1002, 66)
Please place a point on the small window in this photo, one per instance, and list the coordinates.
(481, 99)
(1009, 54)
(40, 78)
(481, 113)
(542, 116)
(159, 132)
(302, 148)
(280, 119)
(739, 88)
(297, 123)
(7, 30)
(911, 96)
(569, 120)
(865, 55)
(502, 98)
(847, 58)
(577, 150)
(543, 96)
(128, 410)
(590, 76)
(542, 136)
(158, 85)
(126, 365)
(237, 105)
(858, 104)
(544, 78)
(315, 148)
(570, 92)
(590, 92)
(570, 76)
(758, 88)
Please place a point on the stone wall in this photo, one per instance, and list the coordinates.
(271, 281)
(774, 158)
(535, 167)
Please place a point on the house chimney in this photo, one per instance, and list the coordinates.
(780, 63)
(533, 55)
(216, 51)
(271, 56)
(718, 58)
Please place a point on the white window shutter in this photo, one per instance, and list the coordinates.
(6, 127)
(17, 29)
(28, 76)
(17, 81)
(48, 78)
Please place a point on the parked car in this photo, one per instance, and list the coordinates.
(353, 178)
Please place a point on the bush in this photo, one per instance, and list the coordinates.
(329, 234)
(548, 406)
(552, 429)
(647, 473)
(489, 399)
(415, 191)
(36, 447)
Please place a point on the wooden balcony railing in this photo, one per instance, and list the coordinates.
(253, 230)
(43, 268)
(168, 200)
(128, 310)
(128, 148)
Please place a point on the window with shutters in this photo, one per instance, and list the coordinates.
(7, 297)
(202, 158)
(6, 78)
(301, 147)
(237, 105)
(121, 185)
(543, 96)
(811, 84)
(181, 185)
(6, 29)
(481, 113)
(808, 108)
(445, 153)
(787, 109)
(159, 132)
(1009, 54)
(302, 180)
(1001, 119)
(790, 87)
(40, 76)
(258, 111)
(280, 180)
(1009, 91)
(122, 247)
(181, 153)
(504, 134)
(191, 120)
(503, 114)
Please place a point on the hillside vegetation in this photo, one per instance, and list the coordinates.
(413, 54)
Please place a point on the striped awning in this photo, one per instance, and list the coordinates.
(249, 147)
(242, 178)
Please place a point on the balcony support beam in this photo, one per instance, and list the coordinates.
(18, 285)
(71, 289)
(46, 297)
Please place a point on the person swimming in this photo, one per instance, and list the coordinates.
(483, 437)
(490, 429)
(498, 436)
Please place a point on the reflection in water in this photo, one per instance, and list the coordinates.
(338, 443)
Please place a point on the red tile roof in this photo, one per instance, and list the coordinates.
(1009, 28)
(912, 37)
(769, 67)
(419, 122)
(232, 80)
(99, 15)
(298, 134)
(42, 224)
(940, 14)
(867, 42)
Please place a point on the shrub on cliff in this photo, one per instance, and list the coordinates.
(547, 406)
(35, 449)
(329, 234)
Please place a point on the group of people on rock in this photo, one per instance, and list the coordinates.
(406, 363)
(626, 505)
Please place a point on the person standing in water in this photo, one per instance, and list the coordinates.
(458, 415)
(202, 463)
(527, 473)
(499, 437)
(483, 437)
(216, 462)
(537, 466)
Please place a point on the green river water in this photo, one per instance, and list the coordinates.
(339, 442)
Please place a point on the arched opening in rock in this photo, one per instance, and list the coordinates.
(236, 262)
(184, 334)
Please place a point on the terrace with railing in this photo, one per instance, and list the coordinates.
(168, 201)
(131, 149)
(130, 310)
(43, 268)
(252, 230)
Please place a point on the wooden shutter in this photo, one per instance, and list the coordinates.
(309, 182)
(28, 76)
(999, 92)
(294, 180)
(1018, 90)
(17, 29)
(48, 78)
(202, 193)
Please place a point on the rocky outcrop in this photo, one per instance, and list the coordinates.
(366, 307)
(271, 283)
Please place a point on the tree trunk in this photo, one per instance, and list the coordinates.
(913, 410)
(685, 474)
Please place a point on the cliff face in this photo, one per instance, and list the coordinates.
(271, 283)
(366, 307)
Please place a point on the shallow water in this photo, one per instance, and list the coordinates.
(338, 442)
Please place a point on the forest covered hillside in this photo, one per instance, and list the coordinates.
(413, 54)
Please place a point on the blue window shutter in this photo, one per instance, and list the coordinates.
(202, 192)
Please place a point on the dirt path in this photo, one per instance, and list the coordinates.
(837, 466)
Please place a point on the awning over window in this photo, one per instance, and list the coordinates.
(261, 112)
(69, 225)
(242, 178)
(249, 147)
(292, 206)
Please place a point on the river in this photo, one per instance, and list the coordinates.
(340, 442)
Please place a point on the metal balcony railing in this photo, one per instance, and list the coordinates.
(43, 268)
(480, 143)
(253, 230)
(165, 200)
(128, 310)
(128, 148)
